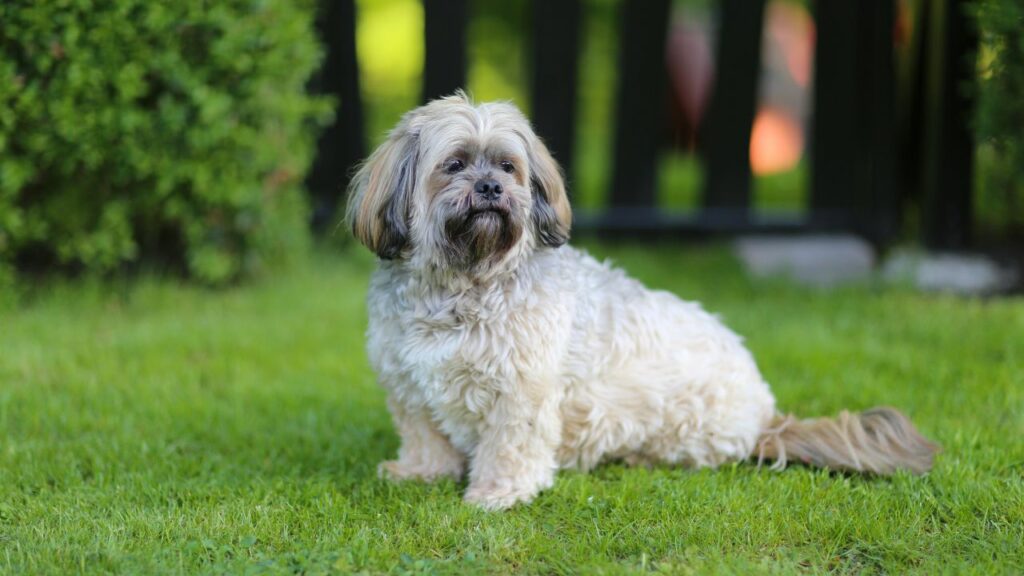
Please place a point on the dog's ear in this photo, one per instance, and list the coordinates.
(552, 215)
(381, 191)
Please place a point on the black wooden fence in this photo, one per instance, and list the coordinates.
(872, 154)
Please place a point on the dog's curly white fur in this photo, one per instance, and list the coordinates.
(512, 355)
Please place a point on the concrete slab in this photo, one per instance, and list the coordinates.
(815, 260)
(956, 273)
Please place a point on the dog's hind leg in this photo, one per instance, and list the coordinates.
(425, 454)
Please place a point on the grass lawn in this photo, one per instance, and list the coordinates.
(151, 427)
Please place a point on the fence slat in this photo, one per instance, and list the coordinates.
(853, 155)
(881, 204)
(444, 65)
(725, 136)
(836, 150)
(948, 140)
(555, 58)
(641, 101)
(342, 144)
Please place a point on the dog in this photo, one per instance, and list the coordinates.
(508, 355)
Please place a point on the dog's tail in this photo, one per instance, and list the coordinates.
(876, 441)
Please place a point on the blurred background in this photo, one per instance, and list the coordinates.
(216, 139)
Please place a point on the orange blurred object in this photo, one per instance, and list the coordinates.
(792, 30)
(776, 142)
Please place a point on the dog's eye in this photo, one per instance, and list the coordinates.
(455, 166)
(507, 166)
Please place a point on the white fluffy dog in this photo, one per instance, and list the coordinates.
(510, 354)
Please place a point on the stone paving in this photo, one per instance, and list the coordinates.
(831, 260)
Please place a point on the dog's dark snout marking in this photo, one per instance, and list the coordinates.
(488, 188)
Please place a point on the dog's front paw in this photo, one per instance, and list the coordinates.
(399, 470)
(492, 496)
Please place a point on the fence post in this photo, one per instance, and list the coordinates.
(836, 123)
(444, 59)
(879, 78)
(948, 140)
(555, 44)
(725, 136)
(641, 102)
(342, 144)
(852, 170)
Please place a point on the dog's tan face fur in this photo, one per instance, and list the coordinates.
(460, 187)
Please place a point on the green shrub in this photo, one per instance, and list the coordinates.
(1000, 113)
(138, 130)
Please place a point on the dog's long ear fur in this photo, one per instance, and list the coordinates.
(552, 215)
(380, 193)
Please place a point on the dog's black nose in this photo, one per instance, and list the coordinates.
(488, 188)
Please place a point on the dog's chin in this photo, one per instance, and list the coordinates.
(491, 220)
(482, 235)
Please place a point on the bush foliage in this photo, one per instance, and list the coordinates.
(1000, 111)
(133, 130)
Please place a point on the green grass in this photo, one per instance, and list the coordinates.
(149, 427)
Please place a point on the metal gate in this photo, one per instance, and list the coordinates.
(872, 156)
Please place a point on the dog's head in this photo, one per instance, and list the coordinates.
(460, 186)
